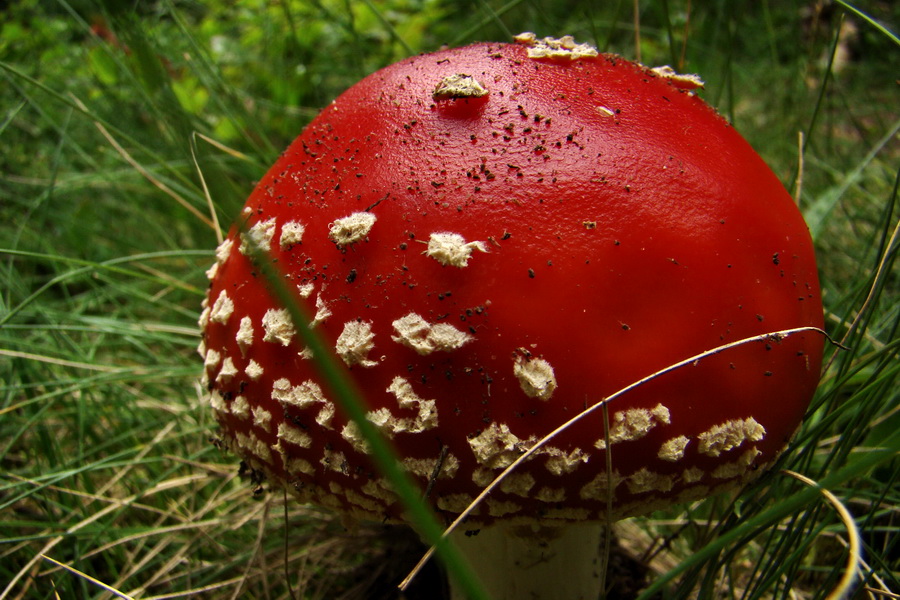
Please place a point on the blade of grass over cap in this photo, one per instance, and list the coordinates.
(352, 402)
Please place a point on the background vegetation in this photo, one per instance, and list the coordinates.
(110, 113)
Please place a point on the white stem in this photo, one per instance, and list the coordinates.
(524, 562)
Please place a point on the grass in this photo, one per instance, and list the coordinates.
(105, 233)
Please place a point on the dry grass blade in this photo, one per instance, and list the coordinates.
(853, 559)
(88, 578)
(881, 593)
(798, 186)
(258, 553)
(773, 335)
(147, 175)
(879, 275)
(157, 439)
(97, 516)
(607, 535)
(209, 201)
(60, 362)
(199, 591)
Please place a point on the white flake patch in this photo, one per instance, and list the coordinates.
(673, 450)
(363, 502)
(258, 237)
(240, 407)
(497, 447)
(291, 233)
(306, 395)
(355, 343)
(254, 445)
(536, 377)
(278, 447)
(737, 468)
(729, 435)
(634, 423)
(564, 47)
(692, 475)
(334, 461)
(244, 337)
(548, 494)
(203, 321)
(254, 370)
(500, 508)
(425, 467)
(451, 249)
(353, 436)
(686, 80)
(278, 326)
(354, 228)
(328, 500)
(482, 477)
(601, 486)
(322, 311)
(645, 480)
(222, 308)
(212, 271)
(326, 415)
(426, 410)
(224, 251)
(458, 85)
(561, 463)
(217, 401)
(416, 333)
(294, 435)
(299, 466)
(378, 489)
(261, 417)
(455, 503)
(212, 359)
(519, 484)
(305, 289)
(303, 396)
(227, 372)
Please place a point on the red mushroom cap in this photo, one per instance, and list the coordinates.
(493, 238)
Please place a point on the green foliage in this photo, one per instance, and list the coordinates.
(105, 233)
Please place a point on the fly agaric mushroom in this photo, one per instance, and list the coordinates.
(491, 239)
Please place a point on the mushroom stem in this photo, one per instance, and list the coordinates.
(535, 562)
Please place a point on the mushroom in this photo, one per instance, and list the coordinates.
(491, 239)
